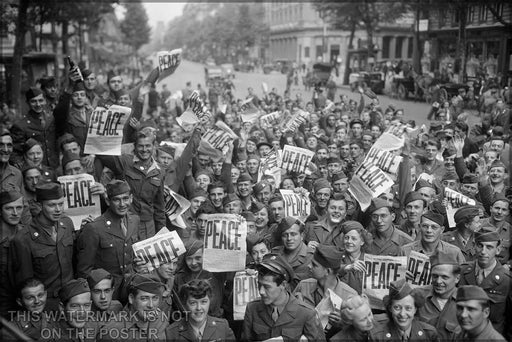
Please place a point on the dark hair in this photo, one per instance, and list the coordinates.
(435, 143)
(205, 208)
(337, 197)
(196, 288)
(31, 282)
(462, 126)
(216, 185)
(276, 277)
(465, 220)
(419, 301)
(285, 178)
(263, 240)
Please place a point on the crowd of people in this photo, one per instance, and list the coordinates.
(62, 282)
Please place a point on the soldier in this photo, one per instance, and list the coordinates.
(11, 176)
(322, 192)
(440, 307)
(32, 318)
(357, 315)
(473, 315)
(402, 304)
(431, 229)
(11, 203)
(467, 222)
(294, 250)
(198, 325)
(107, 241)
(145, 178)
(102, 288)
(388, 239)
(499, 215)
(74, 323)
(327, 231)
(490, 275)
(141, 319)
(278, 313)
(415, 206)
(44, 249)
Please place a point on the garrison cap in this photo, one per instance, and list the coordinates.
(67, 157)
(378, 203)
(498, 163)
(258, 187)
(435, 217)
(499, 197)
(73, 288)
(487, 234)
(146, 284)
(328, 256)
(248, 216)
(423, 184)
(9, 196)
(413, 196)
(450, 175)
(117, 187)
(264, 143)
(347, 226)
(337, 176)
(86, 73)
(231, 197)
(198, 192)
(98, 275)
(469, 178)
(471, 292)
(399, 289)
(333, 159)
(321, 184)
(31, 142)
(167, 149)
(466, 211)
(79, 86)
(442, 258)
(244, 177)
(49, 191)
(275, 198)
(286, 224)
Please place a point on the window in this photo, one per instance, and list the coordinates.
(482, 13)
(306, 52)
(470, 14)
(498, 7)
(410, 44)
(319, 51)
(398, 47)
(386, 41)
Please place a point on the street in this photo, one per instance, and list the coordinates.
(194, 72)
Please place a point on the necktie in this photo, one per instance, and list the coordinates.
(123, 226)
(480, 277)
(43, 119)
(275, 314)
(54, 234)
(404, 337)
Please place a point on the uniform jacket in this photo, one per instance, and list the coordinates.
(497, 286)
(147, 187)
(318, 232)
(489, 334)
(216, 329)
(11, 179)
(68, 119)
(420, 331)
(127, 327)
(61, 331)
(102, 244)
(454, 238)
(297, 319)
(8, 292)
(391, 246)
(30, 326)
(30, 126)
(36, 255)
(310, 293)
(299, 261)
(444, 320)
(350, 334)
(504, 229)
(442, 246)
(352, 278)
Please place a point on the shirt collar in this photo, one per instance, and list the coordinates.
(486, 270)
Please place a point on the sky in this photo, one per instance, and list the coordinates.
(163, 11)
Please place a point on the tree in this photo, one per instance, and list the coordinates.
(134, 26)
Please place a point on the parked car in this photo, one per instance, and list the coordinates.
(363, 79)
(228, 70)
(212, 74)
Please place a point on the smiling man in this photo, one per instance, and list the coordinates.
(278, 313)
(11, 176)
(107, 241)
(198, 325)
(499, 214)
(44, 250)
(327, 231)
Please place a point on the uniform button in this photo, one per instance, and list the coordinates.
(125, 244)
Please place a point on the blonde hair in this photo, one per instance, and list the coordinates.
(350, 305)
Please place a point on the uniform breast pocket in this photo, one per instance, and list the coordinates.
(291, 334)
(131, 174)
(155, 181)
(261, 331)
(43, 258)
(106, 244)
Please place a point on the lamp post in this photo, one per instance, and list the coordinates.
(322, 15)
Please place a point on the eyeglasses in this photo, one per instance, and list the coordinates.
(398, 308)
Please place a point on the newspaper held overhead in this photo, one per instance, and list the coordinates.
(270, 119)
(368, 182)
(160, 249)
(384, 160)
(381, 270)
(105, 130)
(297, 205)
(245, 290)
(296, 159)
(168, 61)
(224, 243)
(269, 166)
(219, 137)
(200, 109)
(418, 265)
(175, 206)
(78, 200)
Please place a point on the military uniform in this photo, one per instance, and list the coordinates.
(310, 293)
(420, 331)
(7, 286)
(497, 286)
(352, 278)
(128, 327)
(467, 248)
(297, 319)
(442, 246)
(407, 227)
(298, 260)
(445, 319)
(317, 232)
(11, 179)
(36, 255)
(29, 324)
(147, 187)
(60, 330)
(504, 230)
(102, 244)
(31, 126)
(216, 329)
(391, 246)
(489, 334)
